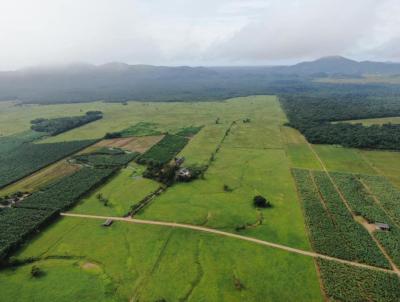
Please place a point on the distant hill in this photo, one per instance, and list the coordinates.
(341, 65)
(120, 82)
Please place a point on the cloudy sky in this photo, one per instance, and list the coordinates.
(196, 32)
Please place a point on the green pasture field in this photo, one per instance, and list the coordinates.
(128, 262)
(123, 190)
(250, 163)
(386, 163)
(342, 159)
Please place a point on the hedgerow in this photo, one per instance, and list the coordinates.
(189, 131)
(62, 124)
(364, 205)
(332, 229)
(139, 129)
(29, 157)
(164, 150)
(347, 283)
(17, 223)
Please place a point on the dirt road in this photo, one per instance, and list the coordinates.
(232, 235)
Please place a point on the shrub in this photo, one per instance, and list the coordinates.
(227, 188)
(261, 202)
(36, 272)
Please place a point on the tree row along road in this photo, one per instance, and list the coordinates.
(232, 235)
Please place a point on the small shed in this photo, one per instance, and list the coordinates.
(382, 226)
(108, 223)
(184, 173)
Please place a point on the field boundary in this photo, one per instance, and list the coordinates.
(232, 235)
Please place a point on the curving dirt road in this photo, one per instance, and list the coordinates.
(232, 235)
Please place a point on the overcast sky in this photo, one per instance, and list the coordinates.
(196, 32)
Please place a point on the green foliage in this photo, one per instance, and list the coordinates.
(189, 131)
(347, 283)
(388, 194)
(261, 202)
(17, 223)
(28, 158)
(11, 142)
(36, 271)
(102, 199)
(313, 116)
(62, 124)
(105, 158)
(332, 229)
(227, 188)
(363, 204)
(67, 191)
(164, 150)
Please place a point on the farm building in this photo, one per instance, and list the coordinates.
(184, 173)
(382, 226)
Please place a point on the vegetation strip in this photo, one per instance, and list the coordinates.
(222, 233)
(29, 158)
(62, 124)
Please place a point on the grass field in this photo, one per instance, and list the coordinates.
(386, 163)
(144, 263)
(124, 190)
(343, 159)
(84, 261)
(376, 121)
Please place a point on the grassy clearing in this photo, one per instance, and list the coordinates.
(123, 190)
(301, 156)
(198, 151)
(386, 163)
(145, 263)
(343, 159)
(293, 136)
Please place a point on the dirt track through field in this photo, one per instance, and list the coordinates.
(231, 235)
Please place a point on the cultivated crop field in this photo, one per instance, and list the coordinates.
(201, 239)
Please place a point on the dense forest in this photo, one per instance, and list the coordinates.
(314, 116)
(59, 125)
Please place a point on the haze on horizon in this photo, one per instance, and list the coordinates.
(189, 32)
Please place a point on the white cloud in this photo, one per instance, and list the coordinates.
(195, 32)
